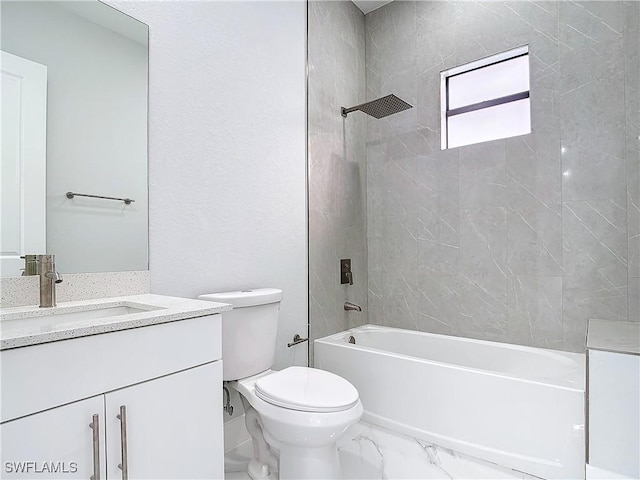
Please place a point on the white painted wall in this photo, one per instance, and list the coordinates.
(96, 134)
(227, 152)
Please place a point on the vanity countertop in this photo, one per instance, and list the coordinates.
(619, 337)
(25, 326)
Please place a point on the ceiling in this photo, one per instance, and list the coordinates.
(369, 5)
(110, 18)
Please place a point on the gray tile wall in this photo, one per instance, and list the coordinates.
(337, 165)
(518, 240)
(631, 35)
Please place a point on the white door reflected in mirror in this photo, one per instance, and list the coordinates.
(24, 133)
(95, 110)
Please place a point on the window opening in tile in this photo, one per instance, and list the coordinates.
(486, 99)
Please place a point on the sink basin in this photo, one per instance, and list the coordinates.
(57, 317)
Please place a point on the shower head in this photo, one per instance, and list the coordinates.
(380, 108)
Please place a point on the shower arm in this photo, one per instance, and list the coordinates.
(345, 111)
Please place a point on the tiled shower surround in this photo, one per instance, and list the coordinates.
(337, 166)
(519, 240)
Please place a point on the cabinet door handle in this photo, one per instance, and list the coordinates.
(95, 426)
(124, 466)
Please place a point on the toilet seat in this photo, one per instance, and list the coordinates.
(307, 390)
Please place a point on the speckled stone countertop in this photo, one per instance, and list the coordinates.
(25, 326)
(620, 337)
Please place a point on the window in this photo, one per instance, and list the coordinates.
(486, 100)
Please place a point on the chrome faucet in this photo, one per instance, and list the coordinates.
(352, 306)
(48, 279)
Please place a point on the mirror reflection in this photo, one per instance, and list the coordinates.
(74, 119)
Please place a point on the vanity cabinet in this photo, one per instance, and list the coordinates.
(613, 399)
(171, 426)
(155, 389)
(53, 444)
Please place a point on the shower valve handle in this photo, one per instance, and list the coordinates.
(346, 275)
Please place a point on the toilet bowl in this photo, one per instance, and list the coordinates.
(302, 412)
(295, 416)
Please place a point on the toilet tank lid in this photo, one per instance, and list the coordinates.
(245, 298)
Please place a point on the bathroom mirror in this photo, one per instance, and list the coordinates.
(74, 119)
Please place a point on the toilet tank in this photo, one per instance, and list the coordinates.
(248, 331)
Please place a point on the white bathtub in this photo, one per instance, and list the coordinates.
(519, 407)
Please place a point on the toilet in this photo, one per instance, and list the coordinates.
(295, 416)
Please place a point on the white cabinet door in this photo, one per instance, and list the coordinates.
(56, 443)
(614, 412)
(173, 426)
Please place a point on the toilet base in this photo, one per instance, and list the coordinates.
(309, 463)
(259, 471)
(264, 460)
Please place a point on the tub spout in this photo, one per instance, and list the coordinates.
(352, 306)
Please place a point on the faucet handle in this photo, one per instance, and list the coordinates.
(346, 276)
(349, 275)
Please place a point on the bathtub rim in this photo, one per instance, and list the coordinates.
(579, 358)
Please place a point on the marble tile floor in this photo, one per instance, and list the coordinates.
(371, 452)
